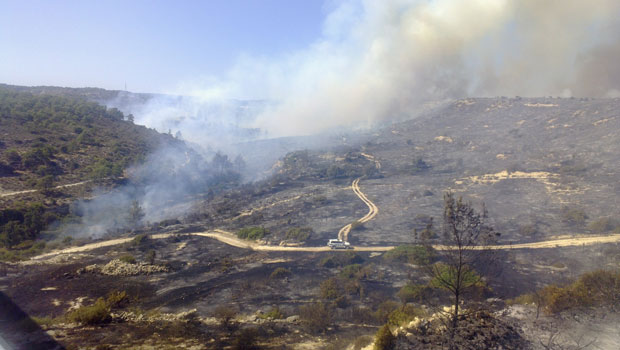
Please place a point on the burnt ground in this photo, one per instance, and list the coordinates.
(562, 153)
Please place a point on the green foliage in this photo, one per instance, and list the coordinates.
(299, 234)
(252, 233)
(104, 169)
(449, 278)
(331, 288)
(139, 240)
(351, 271)
(13, 157)
(574, 216)
(274, 314)
(413, 254)
(280, 273)
(316, 317)
(404, 314)
(128, 258)
(117, 299)
(362, 341)
(97, 313)
(22, 223)
(413, 292)
(384, 339)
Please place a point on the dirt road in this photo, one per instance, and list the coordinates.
(16, 193)
(373, 210)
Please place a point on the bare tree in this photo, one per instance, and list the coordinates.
(463, 254)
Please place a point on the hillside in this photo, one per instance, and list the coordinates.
(247, 264)
(70, 139)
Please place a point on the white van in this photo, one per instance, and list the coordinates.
(338, 244)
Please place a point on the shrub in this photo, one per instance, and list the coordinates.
(350, 271)
(280, 273)
(600, 225)
(361, 342)
(404, 315)
(299, 234)
(128, 258)
(117, 299)
(341, 259)
(139, 240)
(413, 292)
(246, 340)
(384, 310)
(225, 314)
(96, 313)
(274, 314)
(252, 233)
(413, 254)
(331, 288)
(384, 339)
(528, 230)
(574, 216)
(150, 256)
(316, 317)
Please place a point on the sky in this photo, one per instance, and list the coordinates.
(150, 45)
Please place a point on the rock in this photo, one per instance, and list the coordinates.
(117, 267)
(293, 319)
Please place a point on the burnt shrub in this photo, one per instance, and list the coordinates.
(384, 339)
(316, 317)
(603, 224)
(280, 273)
(574, 216)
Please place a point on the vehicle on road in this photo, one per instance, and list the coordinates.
(339, 244)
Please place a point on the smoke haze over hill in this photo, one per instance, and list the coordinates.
(381, 60)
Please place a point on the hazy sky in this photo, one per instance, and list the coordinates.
(150, 45)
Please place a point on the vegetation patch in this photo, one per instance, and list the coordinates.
(413, 254)
(252, 233)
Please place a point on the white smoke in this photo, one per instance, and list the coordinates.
(378, 60)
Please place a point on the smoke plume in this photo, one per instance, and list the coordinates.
(379, 60)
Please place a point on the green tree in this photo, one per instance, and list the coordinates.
(465, 237)
(136, 213)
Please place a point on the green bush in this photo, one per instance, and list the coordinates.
(299, 234)
(280, 273)
(413, 254)
(252, 233)
(331, 288)
(357, 225)
(350, 271)
(413, 292)
(97, 313)
(384, 339)
(128, 258)
(404, 314)
(274, 314)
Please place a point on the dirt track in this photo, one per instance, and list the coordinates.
(15, 193)
(373, 210)
(231, 239)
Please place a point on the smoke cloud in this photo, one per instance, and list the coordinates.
(379, 60)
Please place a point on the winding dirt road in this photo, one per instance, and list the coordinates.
(373, 210)
(232, 240)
